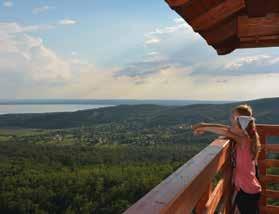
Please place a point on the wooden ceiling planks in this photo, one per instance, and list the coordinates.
(249, 27)
(251, 35)
(273, 6)
(217, 14)
(230, 24)
(256, 8)
(221, 34)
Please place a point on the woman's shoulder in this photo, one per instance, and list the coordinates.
(238, 132)
(241, 136)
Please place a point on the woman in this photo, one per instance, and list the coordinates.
(243, 132)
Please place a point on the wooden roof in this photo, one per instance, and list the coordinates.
(230, 24)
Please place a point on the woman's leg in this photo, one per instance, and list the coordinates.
(241, 202)
(247, 203)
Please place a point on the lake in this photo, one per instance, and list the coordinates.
(45, 108)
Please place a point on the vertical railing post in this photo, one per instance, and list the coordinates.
(262, 169)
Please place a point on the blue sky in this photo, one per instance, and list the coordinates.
(120, 49)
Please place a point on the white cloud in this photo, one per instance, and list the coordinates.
(67, 22)
(42, 73)
(154, 53)
(248, 60)
(152, 41)
(22, 52)
(169, 36)
(179, 25)
(179, 20)
(8, 4)
(173, 83)
(41, 9)
(74, 53)
(13, 27)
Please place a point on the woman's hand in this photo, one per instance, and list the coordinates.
(198, 128)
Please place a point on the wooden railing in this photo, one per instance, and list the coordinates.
(193, 189)
(266, 131)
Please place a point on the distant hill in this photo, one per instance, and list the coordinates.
(265, 110)
(107, 102)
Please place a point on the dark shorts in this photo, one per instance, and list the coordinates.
(247, 203)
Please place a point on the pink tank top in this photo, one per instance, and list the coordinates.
(245, 172)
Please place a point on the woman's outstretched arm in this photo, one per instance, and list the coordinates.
(213, 125)
(216, 129)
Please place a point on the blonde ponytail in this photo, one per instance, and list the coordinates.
(255, 138)
(246, 110)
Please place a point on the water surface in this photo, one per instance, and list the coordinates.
(45, 108)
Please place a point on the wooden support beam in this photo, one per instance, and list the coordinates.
(215, 197)
(217, 14)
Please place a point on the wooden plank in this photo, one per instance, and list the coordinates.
(181, 191)
(176, 3)
(268, 130)
(256, 7)
(190, 10)
(215, 197)
(272, 194)
(268, 179)
(269, 209)
(258, 27)
(258, 42)
(262, 131)
(269, 163)
(271, 148)
(221, 33)
(208, 4)
(217, 14)
(272, 6)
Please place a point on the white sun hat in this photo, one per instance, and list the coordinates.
(244, 121)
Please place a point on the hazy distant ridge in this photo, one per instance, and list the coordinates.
(266, 111)
(105, 102)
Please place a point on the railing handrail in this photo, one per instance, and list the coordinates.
(268, 129)
(186, 182)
